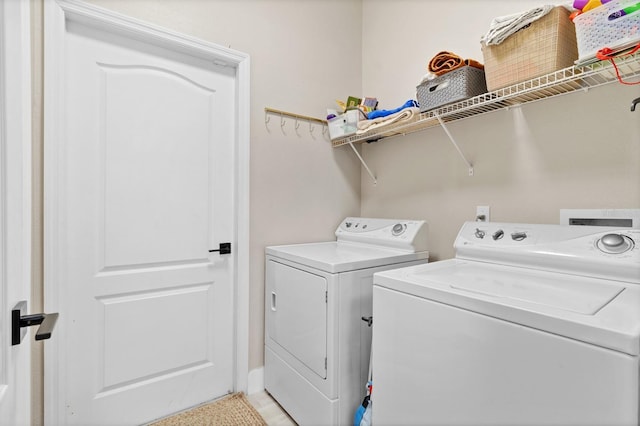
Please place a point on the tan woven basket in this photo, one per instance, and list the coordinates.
(547, 45)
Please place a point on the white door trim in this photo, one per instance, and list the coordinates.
(57, 14)
(15, 188)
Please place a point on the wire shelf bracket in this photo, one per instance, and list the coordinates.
(453, 141)
(364, 164)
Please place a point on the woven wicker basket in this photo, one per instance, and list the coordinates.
(547, 45)
(465, 82)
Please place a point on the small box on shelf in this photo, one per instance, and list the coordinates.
(345, 124)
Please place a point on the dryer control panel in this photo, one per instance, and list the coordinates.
(410, 235)
(585, 250)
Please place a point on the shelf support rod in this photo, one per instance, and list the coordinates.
(453, 141)
(375, 181)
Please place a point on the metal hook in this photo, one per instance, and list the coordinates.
(311, 129)
(633, 104)
(297, 124)
(282, 121)
(324, 130)
(267, 118)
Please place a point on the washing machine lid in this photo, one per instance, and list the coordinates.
(594, 310)
(336, 256)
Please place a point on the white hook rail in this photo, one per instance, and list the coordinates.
(297, 117)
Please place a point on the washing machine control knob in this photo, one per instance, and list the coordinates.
(479, 233)
(398, 229)
(615, 243)
(518, 236)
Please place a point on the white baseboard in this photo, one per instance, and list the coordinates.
(256, 381)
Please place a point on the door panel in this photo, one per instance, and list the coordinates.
(145, 174)
(131, 340)
(156, 174)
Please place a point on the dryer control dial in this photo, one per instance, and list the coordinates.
(615, 243)
(398, 229)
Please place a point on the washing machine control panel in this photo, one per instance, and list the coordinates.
(499, 234)
(571, 249)
(401, 234)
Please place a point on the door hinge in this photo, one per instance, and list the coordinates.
(326, 297)
(325, 363)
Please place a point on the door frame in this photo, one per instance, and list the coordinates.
(57, 14)
(15, 190)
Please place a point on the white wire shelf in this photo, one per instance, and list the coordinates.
(557, 83)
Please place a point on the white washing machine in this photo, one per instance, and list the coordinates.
(317, 345)
(528, 325)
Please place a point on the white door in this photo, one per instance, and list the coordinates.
(141, 188)
(15, 205)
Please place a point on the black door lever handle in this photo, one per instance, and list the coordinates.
(19, 322)
(225, 248)
(633, 103)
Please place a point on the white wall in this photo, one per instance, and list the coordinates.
(581, 150)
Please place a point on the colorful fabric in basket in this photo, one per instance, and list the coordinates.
(587, 5)
(444, 62)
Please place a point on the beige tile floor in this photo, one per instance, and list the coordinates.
(270, 410)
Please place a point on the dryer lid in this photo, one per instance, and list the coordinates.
(598, 311)
(337, 256)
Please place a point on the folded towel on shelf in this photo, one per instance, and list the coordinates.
(444, 62)
(403, 115)
(504, 26)
(474, 63)
(384, 112)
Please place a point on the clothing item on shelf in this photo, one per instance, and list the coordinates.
(405, 114)
(504, 26)
(385, 112)
(444, 62)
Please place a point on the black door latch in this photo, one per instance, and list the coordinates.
(225, 248)
(18, 323)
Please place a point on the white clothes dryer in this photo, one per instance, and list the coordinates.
(528, 325)
(318, 300)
